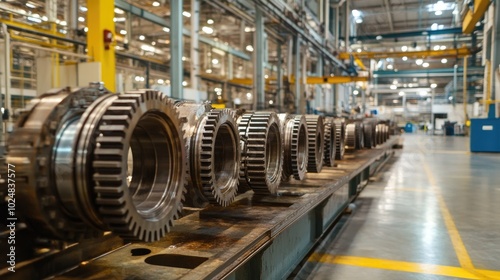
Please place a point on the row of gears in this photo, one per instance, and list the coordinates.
(90, 161)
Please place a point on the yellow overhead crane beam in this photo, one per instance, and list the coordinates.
(460, 52)
(473, 16)
(310, 80)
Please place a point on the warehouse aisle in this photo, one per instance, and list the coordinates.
(433, 214)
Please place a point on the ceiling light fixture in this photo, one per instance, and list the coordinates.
(444, 60)
(393, 87)
(207, 30)
(166, 29)
(119, 11)
(210, 21)
(419, 61)
(425, 64)
(156, 4)
(249, 48)
(434, 85)
(186, 14)
(142, 37)
(355, 92)
(404, 48)
(401, 93)
(81, 19)
(405, 58)
(29, 5)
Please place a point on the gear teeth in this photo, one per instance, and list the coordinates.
(114, 196)
(339, 138)
(294, 132)
(330, 142)
(350, 136)
(315, 130)
(257, 172)
(217, 190)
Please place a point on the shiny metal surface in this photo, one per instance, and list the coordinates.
(316, 142)
(215, 156)
(295, 146)
(145, 121)
(262, 152)
(330, 142)
(351, 136)
(340, 138)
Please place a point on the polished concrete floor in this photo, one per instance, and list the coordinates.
(432, 213)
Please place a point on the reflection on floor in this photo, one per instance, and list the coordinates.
(431, 214)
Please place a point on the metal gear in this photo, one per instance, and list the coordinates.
(350, 136)
(262, 152)
(143, 125)
(330, 142)
(295, 146)
(360, 140)
(315, 130)
(378, 134)
(367, 135)
(32, 148)
(340, 138)
(215, 156)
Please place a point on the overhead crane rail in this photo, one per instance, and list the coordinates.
(459, 52)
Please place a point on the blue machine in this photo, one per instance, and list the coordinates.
(485, 133)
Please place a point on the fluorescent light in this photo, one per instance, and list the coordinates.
(419, 61)
(249, 29)
(356, 92)
(425, 64)
(434, 26)
(142, 37)
(45, 18)
(405, 58)
(356, 13)
(450, 98)
(378, 37)
(404, 48)
(390, 67)
(186, 14)
(359, 20)
(184, 83)
(166, 29)
(34, 19)
(86, 29)
(153, 43)
(393, 87)
(210, 21)
(207, 30)
(156, 4)
(436, 47)
(160, 81)
(184, 58)
(444, 60)
(442, 48)
(123, 32)
(119, 19)
(410, 85)
(29, 5)
(81, 19)
(63, 23)
(119, 11)
(401, 93)
(148, 48)
(359, 50)
(249, 48)
(271, 102)
(83, 8)
(209, 71)
(438, 13)
(434, 85)
(215, 61)
(266, 76)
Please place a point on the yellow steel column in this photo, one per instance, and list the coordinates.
(100, 16)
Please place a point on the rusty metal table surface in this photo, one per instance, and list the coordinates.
(211, 243)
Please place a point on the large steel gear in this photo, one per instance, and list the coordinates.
(340, 138)
(44, 172)
(360, 139)
(330, 142)
(295, 146)
(350, 136)
(315, 130)
(368, 135)
(143, 126)
(262, 152)
(215, 156)
(378, 134)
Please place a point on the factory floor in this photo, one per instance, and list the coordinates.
(432, 213)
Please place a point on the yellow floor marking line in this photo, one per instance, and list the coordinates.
(456, 239)
(401, 266)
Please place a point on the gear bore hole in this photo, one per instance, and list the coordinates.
(153, 164)
(273, 148)
(302, 148)
(225, 157)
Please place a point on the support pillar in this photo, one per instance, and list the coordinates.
(176, 47)
(298, 93)
(195, 56)
(100, 15)
(259, 57)
(279, 79)
(347, 24)
(495, 55)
